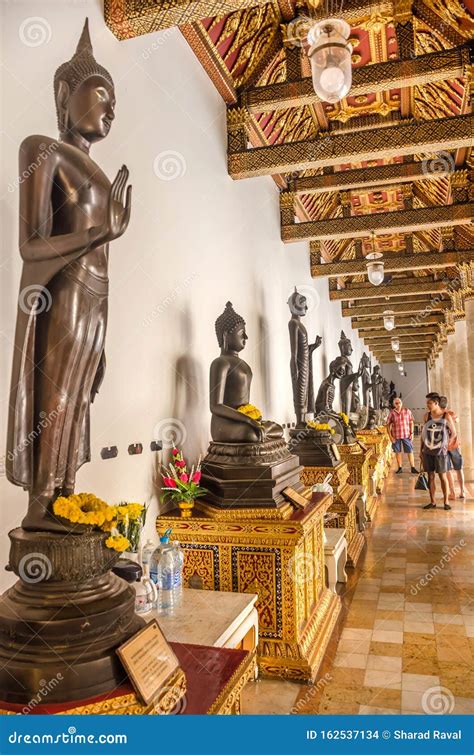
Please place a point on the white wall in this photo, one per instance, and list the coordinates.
(193, 243)
(413, 387)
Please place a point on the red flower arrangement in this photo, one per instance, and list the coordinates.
(180, 484)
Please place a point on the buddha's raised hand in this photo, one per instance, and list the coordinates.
(118, 213)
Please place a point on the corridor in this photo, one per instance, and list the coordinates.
(405, 641)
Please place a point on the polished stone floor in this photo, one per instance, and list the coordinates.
(405, 641)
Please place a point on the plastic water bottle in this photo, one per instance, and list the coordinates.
(178, 571)
(162, 572)
(146, 553)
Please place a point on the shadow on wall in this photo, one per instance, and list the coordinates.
(188, 427)
(263, 348)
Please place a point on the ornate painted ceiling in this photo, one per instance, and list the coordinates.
(394, 157)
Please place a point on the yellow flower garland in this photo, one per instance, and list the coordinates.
(250, 411)
(321, 426)
(86, 508)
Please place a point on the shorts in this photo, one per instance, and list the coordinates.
(455, 459)
(438, 464)
(404, 443)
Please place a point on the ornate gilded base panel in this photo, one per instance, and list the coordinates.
(358, 458)
(282, 561)
(228, 702)
(300, 661)
(372, 506)
(378, 440)
(128, 704)
(344, 505)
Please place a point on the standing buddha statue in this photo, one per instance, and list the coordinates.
(301, 364)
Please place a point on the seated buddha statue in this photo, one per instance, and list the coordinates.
(233, 418)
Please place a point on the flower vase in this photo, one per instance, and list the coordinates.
(186, 508)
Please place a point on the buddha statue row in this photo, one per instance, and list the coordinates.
(234, 420)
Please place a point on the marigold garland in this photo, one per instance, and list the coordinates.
(321, 426)
(250, 411)
(87, 509)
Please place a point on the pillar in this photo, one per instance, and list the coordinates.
(464, 405)
(441, 381)
(435, 377)
(469, 308)
(446, 381)
(453, 395)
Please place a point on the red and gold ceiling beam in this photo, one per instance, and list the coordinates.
(368, 178)
(393, 262)
(398, 287)
(408, 335)
(333, 149)
(368, 79)
(412, 305)
(129, 18)
(366, 326)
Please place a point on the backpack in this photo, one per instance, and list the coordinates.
(435, 436)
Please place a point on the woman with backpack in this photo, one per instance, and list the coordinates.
(437, 433)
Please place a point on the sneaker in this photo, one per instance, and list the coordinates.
(431, 506)
(399, 470)
(414, 470)
(447, 507)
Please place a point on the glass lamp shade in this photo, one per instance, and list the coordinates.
(395, 344)
(389, 319)
(401, 367)
(398, 358)
(375, 269)
(330, 58)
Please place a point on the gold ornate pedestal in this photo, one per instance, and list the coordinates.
(358, 459)
(277, 554)
(378, 440)
(344, 504)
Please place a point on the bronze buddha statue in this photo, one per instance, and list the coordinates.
(69, 212)
(377, 382)
(230, 381)
(349, 385)
(248, 464)
(67, 610)
(385, 394)
(327, 389)
(366, 380)
(301, 364)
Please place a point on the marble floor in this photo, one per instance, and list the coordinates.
(405, 640)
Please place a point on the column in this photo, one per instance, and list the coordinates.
(432, 377)
(469, 308)
(464, 406)
(446, 383)
(453, 395)
(441, 377)
(436, 376)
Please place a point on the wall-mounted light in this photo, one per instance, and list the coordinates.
(395, 344)
(401, 367)
(398, 357)
(389, 319)
(330, 58)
